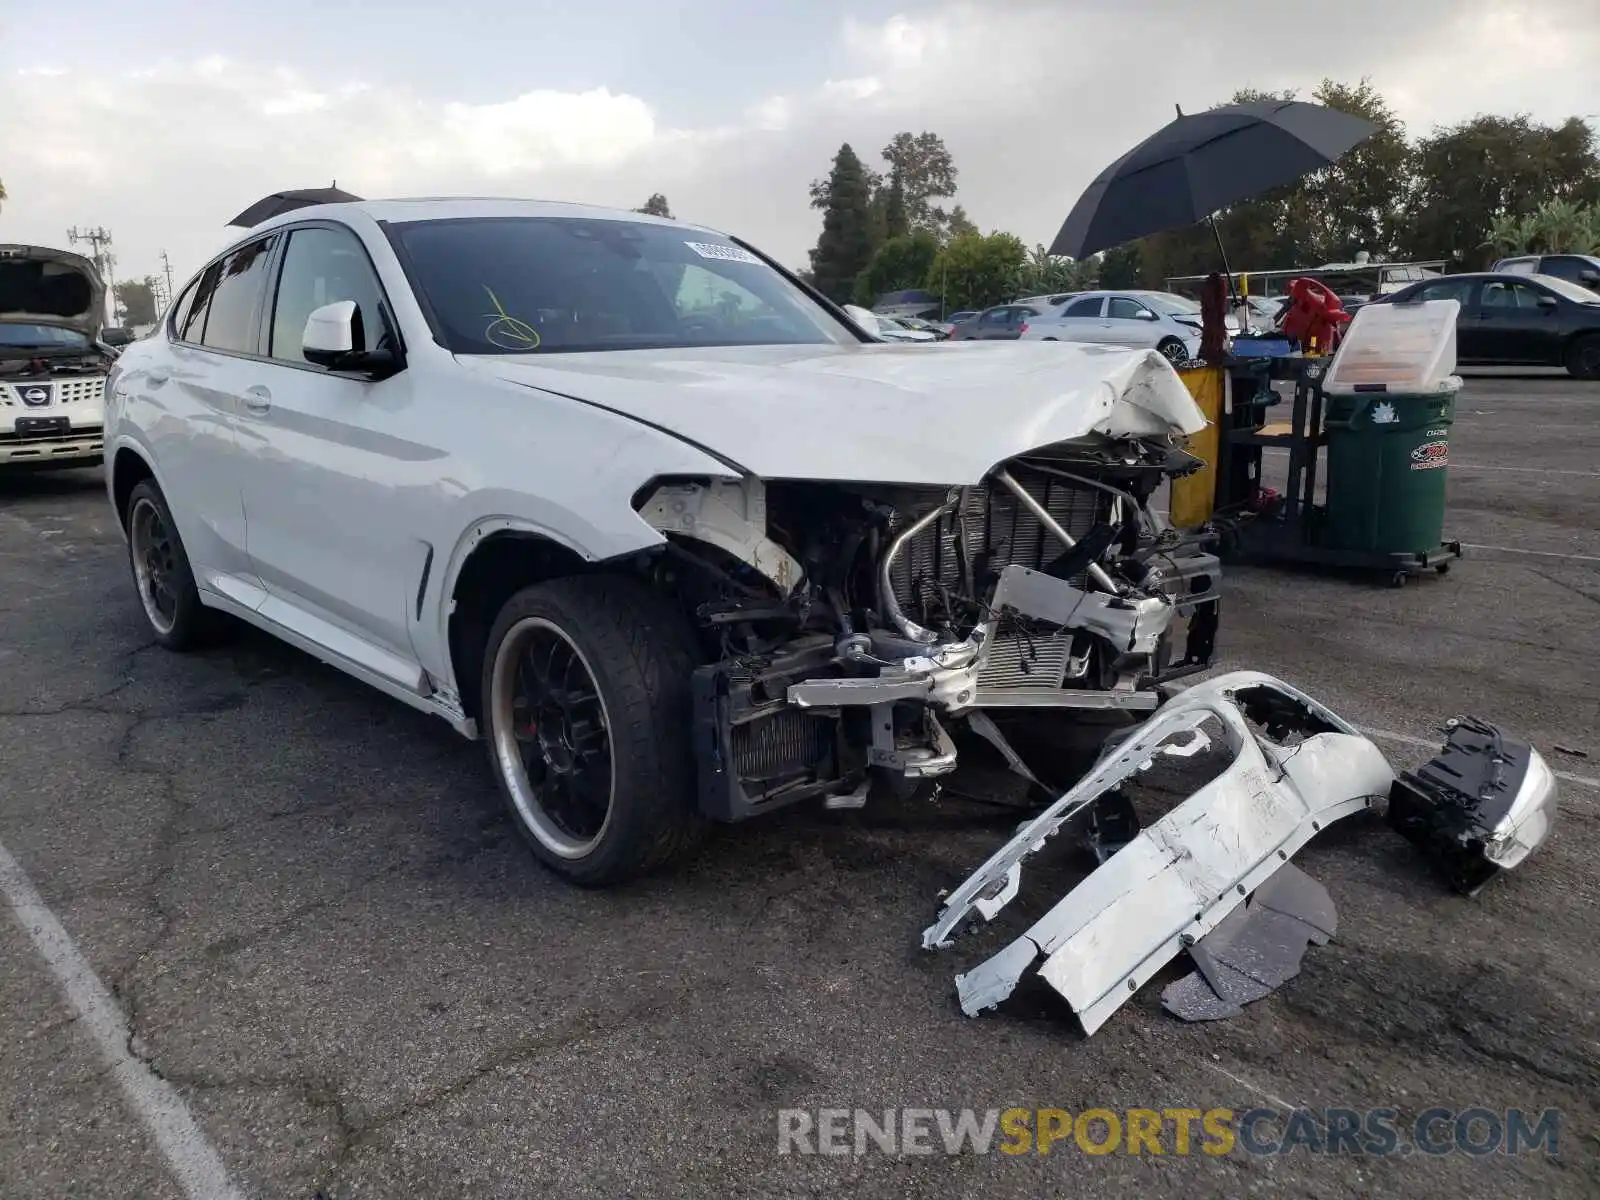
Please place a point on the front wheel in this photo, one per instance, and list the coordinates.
(1174, 350)
(586, 707)
(1583, 357)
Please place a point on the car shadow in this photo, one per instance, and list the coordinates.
(31, 483)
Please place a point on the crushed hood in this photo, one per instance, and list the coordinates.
(944, 413)
(41, 286)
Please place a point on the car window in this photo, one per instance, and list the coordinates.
(323, 266)
(1444, 289)
(1501, 295)
(541, 285)
(1576, 292)
(995, 316)
(192, 321)
(1519, 266)
(1570, 267)
(1120, 308)
(1087, 307)
(230, 323)
(41, 337)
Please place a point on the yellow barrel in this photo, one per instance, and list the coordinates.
(1194, 496)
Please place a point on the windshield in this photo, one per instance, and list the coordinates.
(41, 337)
(545, 285)
(1572, 291)
(1170, 303)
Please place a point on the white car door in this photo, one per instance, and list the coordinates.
(1131, 323)
(324, 467)
(1083, 321)
(188, 406)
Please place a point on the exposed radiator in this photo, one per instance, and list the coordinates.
(999, 531)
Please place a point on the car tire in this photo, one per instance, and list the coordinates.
(1173, 350)
(1583, 357)
(586, 706)
(162, 575)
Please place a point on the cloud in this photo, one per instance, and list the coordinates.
(1032, 97)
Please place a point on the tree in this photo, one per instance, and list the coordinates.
(973, 271)
(656, 206)
(896, 219)
(2, 193)
(1359, 202)
(1122, 267)
(921, 169)
(900, 263)
(1555, 227)
(136, 300)
(845, 246)
(1472, 176)
(1042, 273)
(958, 223)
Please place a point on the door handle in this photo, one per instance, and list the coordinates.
(258, 400)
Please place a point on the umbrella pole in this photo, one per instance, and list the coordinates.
(1227, 273)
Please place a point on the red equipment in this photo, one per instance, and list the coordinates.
(1315, 318)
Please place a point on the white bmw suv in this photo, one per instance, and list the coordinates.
(646, 514)
(52, 364)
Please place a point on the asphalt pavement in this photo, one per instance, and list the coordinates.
(332, 953)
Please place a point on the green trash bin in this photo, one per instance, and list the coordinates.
(1387, 457)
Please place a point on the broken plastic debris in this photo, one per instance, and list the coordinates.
(1255, 950)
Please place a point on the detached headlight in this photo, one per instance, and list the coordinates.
(1479, 807)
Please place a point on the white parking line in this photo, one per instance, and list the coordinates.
(1405, 739)
(193, 1161)
(1536, 553)
(1461, 466)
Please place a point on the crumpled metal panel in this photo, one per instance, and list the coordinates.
(1180, 877)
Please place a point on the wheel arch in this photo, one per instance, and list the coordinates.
(126, 467)
(494, 560)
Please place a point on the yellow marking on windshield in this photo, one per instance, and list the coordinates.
(506, 331)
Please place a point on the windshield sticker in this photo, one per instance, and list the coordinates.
(506, 332)
(726, 253)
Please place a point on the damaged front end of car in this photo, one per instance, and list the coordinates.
(854, 628)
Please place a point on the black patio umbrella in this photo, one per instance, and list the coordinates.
(1203, 162)
(282, 202)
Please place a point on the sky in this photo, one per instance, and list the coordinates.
(162, 120)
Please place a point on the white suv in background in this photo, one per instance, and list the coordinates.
(52, 365)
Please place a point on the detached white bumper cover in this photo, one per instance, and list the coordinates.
(1176, 880)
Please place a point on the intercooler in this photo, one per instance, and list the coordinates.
(999, 530)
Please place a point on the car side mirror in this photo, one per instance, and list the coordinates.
(334, 338)
(1548, 301)
(1147, 315)
(1589, 278)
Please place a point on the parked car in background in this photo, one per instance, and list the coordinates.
(1047, 302)
(1163, 321)
(1510, 319)
(886, 329)
(1003, 322)
(918, 325)
(53, 365)
(1582, 269)
(617, 496)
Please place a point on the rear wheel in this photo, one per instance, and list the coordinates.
(586, 706)
(161, 573)
(1174, 350)
(1583, 357)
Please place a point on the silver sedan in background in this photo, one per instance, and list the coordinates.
(1162, 321)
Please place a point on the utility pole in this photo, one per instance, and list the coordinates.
(105, 262)
(166, 266)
